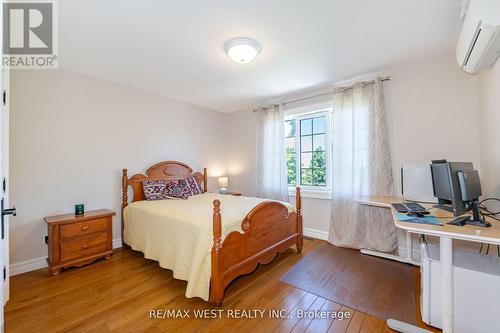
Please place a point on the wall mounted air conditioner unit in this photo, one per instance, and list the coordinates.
(479, 42)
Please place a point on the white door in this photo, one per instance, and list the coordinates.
(4, 168)
(3, 250)
(5, 211)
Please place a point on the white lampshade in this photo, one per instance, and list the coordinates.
(223, 181)
(242, 50)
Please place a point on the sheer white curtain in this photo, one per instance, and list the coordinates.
(271, 167)
(361, 166)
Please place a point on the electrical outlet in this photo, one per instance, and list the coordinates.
(46, 238)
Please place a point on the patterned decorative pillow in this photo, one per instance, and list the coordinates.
(199, 184)
(194, 186)
(154, 189)
(183, 188)
(177, 189)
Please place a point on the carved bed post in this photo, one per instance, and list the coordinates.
(298, 209)
(124, 197)
(205, 180)
(217, 278)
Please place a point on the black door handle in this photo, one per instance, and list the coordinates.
(9, 211)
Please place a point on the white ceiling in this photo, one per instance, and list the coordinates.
(175, 48)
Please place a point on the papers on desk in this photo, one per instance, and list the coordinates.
(429, 219)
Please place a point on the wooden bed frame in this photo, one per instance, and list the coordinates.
(266, 230)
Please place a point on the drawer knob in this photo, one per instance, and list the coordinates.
(84, 246)
(85, 228)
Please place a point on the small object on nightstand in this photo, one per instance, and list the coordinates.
(236, 194)
(223, 182)
(77, 240)
(79, 209)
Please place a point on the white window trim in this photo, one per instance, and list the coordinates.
(311, 193)
(317, 192)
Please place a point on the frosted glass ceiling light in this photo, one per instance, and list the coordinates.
(242, 50)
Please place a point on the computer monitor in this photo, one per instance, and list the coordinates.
(446, 185)
(457, 187)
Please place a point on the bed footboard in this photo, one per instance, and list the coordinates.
(267, 230)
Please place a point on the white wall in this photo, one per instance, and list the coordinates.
(71, 135)
(432, 110)
(433, 113)
(489, 112)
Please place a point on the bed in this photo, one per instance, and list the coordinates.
(209, 239)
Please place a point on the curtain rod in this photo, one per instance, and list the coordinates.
(385, 78)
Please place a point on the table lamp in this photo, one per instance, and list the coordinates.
(223, 181)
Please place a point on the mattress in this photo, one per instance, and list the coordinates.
(179, 233)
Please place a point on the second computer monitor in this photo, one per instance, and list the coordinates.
(446, 185)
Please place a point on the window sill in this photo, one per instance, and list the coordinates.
(308, 193)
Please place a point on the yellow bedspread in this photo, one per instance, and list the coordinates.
(178, 233)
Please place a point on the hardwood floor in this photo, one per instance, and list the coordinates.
(379, 287)
(117, 296)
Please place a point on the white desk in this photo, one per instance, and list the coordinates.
(446, 234)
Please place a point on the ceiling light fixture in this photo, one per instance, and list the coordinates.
(242, 50)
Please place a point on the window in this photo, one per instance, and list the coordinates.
(306, 138)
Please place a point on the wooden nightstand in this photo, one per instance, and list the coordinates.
(77, 240)
(236, 194)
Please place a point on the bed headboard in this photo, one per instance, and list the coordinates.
(168, 170)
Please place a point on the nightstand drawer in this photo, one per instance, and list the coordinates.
(82, 247)
(83, 228)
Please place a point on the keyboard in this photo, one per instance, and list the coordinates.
(409, 207)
